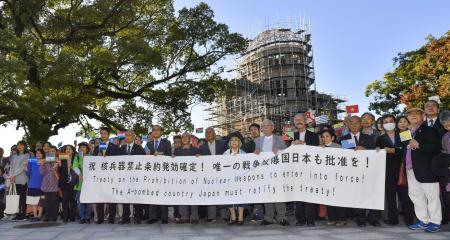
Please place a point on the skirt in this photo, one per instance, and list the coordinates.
(33, 200)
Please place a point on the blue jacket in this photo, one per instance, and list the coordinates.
(34, 176)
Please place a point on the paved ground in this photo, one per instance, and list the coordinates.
(72, 231)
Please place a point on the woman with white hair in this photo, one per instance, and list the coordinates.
(235, 145)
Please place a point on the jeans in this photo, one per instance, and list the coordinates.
(85, 209)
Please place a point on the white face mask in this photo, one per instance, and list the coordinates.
(389, 126)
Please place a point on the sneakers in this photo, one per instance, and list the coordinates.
(432, 228)
(18, 219)
(419, 225)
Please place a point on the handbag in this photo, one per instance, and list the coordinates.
(12, 201)
(72, 178)
(402, 181)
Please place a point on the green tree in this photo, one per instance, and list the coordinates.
(418, 75)
(120, 62)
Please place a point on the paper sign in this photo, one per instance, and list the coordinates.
(349, 143)
(405, 135)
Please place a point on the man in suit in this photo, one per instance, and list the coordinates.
(131, 148)
(432, 117)
(363, 142)
(305, 213)
(255, 132)
(271, 143)
(422, 183)
(110, 150)
(213, 147)
(432, 120)
(249, 147)
(158, 146)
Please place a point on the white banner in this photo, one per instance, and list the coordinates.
(329, 176)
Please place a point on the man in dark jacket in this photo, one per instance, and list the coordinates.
(305, 213)
(131, 148)
(106, 149)
(432, 117)
(158, 146)
(213, 147)
(362, 142)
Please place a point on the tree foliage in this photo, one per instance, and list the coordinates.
(418, 75)
(120, 62)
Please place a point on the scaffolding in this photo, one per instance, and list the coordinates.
(275, 80)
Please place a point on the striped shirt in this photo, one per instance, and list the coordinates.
(50, 181)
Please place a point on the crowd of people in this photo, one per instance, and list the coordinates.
(417, 173)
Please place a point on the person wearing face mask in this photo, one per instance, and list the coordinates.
(391, 143)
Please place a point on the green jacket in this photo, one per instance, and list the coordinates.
(78, 164)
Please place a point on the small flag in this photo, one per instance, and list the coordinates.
(50, 158)
(311, 129)
(32, 160)
(60, 144)
(309, 116)
(338, 126)
(121, 134)
(111, 140)
(63, 156)
(352, 109)
(349, 143)
(288, 132)
(91, 134)
(321, 119)
(345, 132)
(103, 146)
(144, 138)
(405, 135)
(199, 130)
